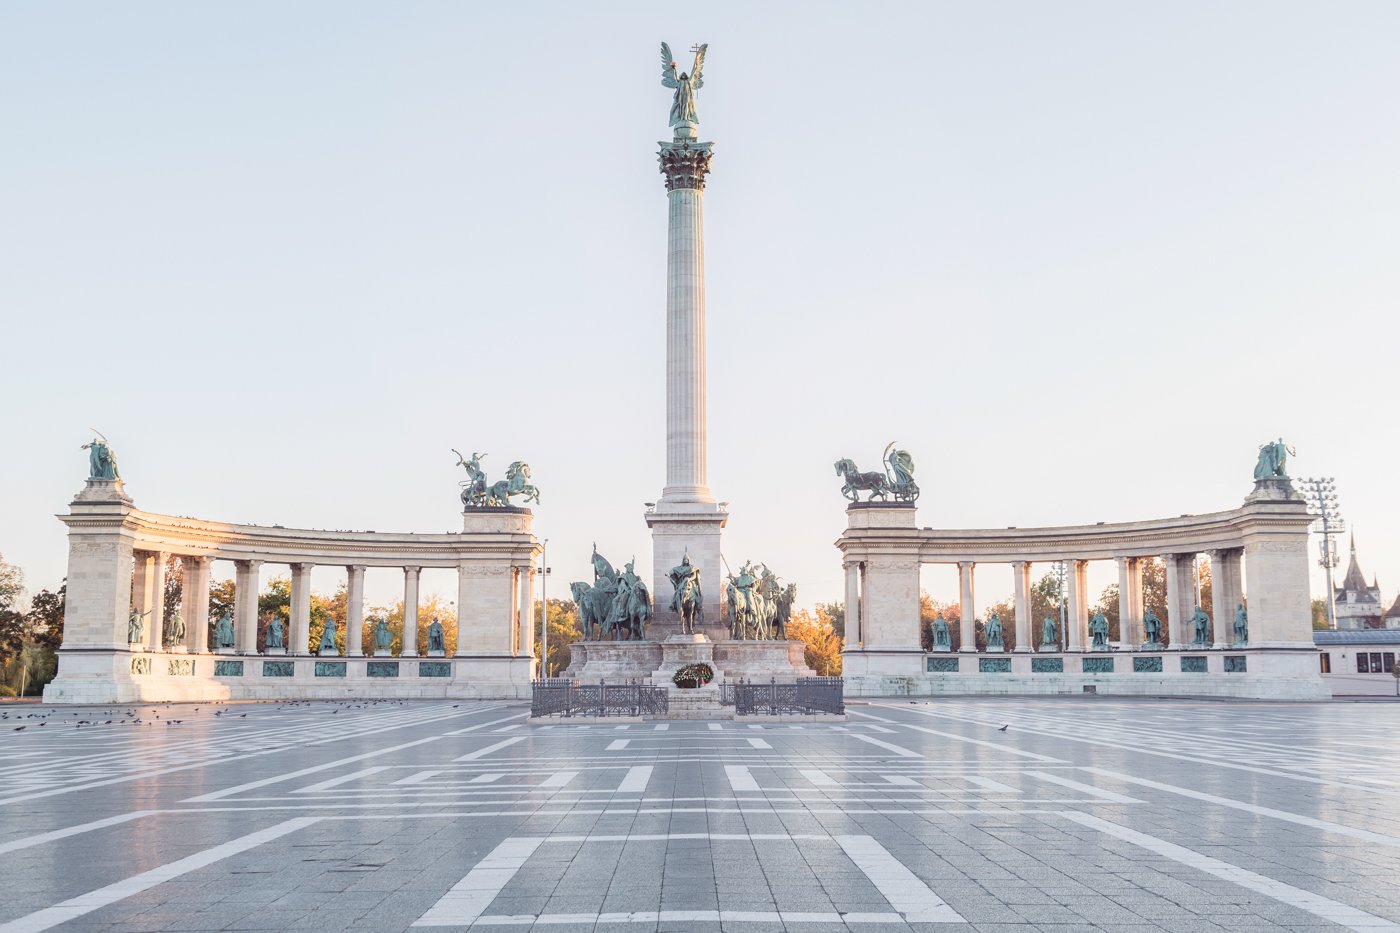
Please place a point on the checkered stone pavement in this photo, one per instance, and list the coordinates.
(1083, 814)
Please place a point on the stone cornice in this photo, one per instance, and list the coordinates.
(193, 537)
(1186, 534)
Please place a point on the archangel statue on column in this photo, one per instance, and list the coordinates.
(683, 103)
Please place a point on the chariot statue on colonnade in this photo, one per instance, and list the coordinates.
(477, 494)
(897, 480)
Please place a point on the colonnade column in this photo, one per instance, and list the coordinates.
(354, 610)
(141, 592)
(1077, 618)
(1130, 601)
(410, 612)
(245, 605)
(525, 620)
(299, 631)
(853, 603)
(1224, 594)
(1022, 571)
(155, 622)
(968, 618)
(1180, 597)
(194, 602)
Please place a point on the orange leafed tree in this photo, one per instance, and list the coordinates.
(822, 646)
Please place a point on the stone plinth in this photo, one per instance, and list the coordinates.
(656, 661)
(679, 650)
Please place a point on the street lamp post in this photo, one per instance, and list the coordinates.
(544, 609)
(1321, 493)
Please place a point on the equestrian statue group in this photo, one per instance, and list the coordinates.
(617, 605)
(478, 494)
(897, 480)
(759, 605)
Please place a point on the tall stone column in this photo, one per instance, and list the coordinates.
(142, 568)
(299, 632)
(194, 602)
(1130, 601)
(1226, 593)
(1180, 598)
(354, 611)
(525, 618)
(245, 605)
(410, 612)
(155, 582)
(967, 623)
(686, 519)
(1077, 616)
(853, 636)
(1022, 573)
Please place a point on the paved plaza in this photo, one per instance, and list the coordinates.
(1093, 813)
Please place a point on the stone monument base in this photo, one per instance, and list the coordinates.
(655, 661)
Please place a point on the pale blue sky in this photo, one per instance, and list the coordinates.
(1079, 258)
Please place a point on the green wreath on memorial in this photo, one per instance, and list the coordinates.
(693, 675)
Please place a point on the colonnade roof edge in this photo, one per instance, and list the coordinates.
(505, 534)
(888, 530)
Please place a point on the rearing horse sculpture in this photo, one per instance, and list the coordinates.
(876, 483)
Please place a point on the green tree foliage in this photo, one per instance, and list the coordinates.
(564, 630)
(12, 621)
(46, 617)
(821, 645)
(1319, 615)
(835, 614)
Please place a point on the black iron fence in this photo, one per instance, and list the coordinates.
(805, 696)
(561, 697)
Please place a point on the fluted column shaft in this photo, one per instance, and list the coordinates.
(1077, 622)
(1022, 571)
(245, 605)
(410, 612)
(685, 348)
(194, 602)
(299, 631)
(853, 604)
(1130, 601)
(354, 611)
(155, 622)
(525, 618)
(967, 623)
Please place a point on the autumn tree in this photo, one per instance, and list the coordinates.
(821, 645)
(564, 630)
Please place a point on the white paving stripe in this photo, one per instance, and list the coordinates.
(819, 778)
(483, 752)
(1083, 788)
(17, 844)
(343, 779)
(418, 778)
(689, 916)
(889, 746)
(1379, 838)
(739, 778)
(1315, 904)
(278, 778)
(488, 778)
(560, 779)
(86, 903)
(999, 746)
(758, 743)
(470, 897)
(636, 780)
(900, 886)
(989, 784)
(617, 745)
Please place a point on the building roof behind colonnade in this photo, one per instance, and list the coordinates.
(1366, 636)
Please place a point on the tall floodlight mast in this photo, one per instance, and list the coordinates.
(1321, 493)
